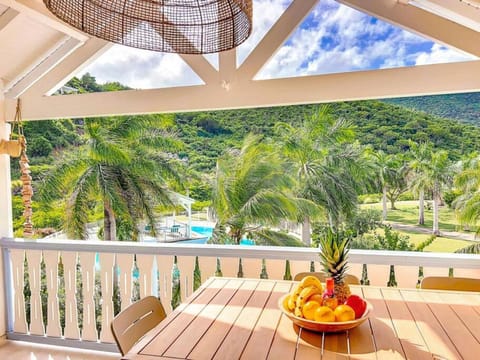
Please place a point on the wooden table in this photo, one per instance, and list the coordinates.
(239, 319)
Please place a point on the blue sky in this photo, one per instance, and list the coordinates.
(333, 38)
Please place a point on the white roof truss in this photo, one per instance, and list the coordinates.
(42, 65)
(7, 17)
(422, 22)
(235, 87)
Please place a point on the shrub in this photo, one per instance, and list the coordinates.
(406, 196)
(369, 198)
(449, 196)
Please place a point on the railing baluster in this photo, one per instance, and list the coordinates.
(252, 268)
(20, 320)
(51, 259)
(186, 264)
(125, 263)
(69, 260)
(89, 326)
(145, 276)
(298, 267)
(34, 258)
(208, 266)
(165, 266)
(107, 262)
(275, 268)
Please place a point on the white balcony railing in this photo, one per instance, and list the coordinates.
(68, 289)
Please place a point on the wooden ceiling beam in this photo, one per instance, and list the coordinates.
(205, 71)
(7, 17)
(275, 37)
(80, 58)
(42, 65)
(373, 84)
(36, 10)
(421, 22)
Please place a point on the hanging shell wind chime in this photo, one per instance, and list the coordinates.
(27, 189)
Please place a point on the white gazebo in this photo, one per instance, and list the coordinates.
(39, 54)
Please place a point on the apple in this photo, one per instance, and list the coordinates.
(357, 304)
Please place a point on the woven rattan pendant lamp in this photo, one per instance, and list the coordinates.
(176, 26)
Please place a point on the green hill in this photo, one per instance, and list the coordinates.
(463, 107)
(381, 125)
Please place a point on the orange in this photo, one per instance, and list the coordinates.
(316, 297)
(309, 308)
(344, 313)
(324, 314)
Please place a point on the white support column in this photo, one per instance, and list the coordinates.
(6, 228)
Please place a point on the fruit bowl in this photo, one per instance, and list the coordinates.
(324, 326)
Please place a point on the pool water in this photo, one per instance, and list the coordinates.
(207, 232)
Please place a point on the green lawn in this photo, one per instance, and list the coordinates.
(440, 244)
(407, 213)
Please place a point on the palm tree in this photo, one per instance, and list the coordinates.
(122, 168)
(329, 168)
(467, 181)
(440, 176)
(467, 204)
(251, 193)
(419, 179)
(385, 165)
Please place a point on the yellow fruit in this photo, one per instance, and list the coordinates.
(344, 313)
(311, 281)
(296, 291)
(309, 309)
(285, 302)
(324, 314)
(316, 297)
(294, 294)
(302, 298)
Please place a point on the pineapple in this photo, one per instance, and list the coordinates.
(334, 258)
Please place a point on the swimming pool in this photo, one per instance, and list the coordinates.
(207, 232)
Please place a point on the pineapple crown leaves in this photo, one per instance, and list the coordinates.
(334, 253)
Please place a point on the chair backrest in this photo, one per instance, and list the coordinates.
(450, 283)
(349, 279)
(175, 228)
(131, 324)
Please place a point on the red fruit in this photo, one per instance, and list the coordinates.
(357, 304)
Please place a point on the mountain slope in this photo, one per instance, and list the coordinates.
(462, 107)
(383, 126)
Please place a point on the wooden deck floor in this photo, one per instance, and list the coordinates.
(18, 350)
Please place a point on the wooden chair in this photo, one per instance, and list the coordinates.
(349, 279)
(450, 283)
(135, 321)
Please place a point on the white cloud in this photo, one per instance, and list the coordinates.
(141, 69)
(441, 54)
(334, 38)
